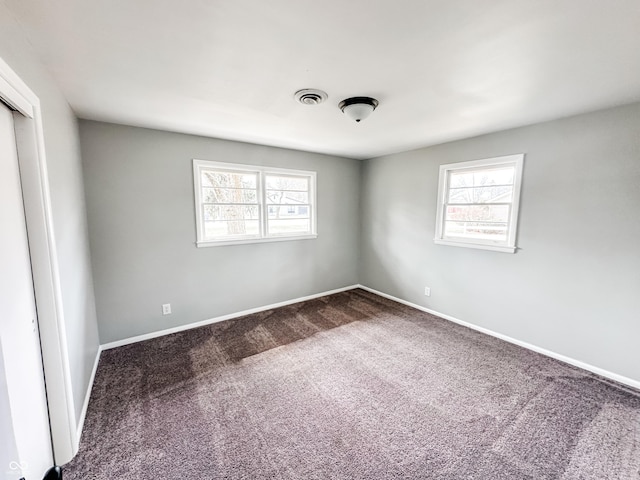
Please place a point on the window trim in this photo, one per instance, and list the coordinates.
(262, 172)
(443, 188)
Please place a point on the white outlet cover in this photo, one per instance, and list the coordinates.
(166, 309)
(427, 291)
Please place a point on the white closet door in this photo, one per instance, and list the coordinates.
(22, 391)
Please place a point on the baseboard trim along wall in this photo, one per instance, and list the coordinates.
(85, 404)
(127, 341)
(576, 363)
(148, 336)
(181, 328)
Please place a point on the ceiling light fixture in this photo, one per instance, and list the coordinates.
(358, 108)
(310, 96)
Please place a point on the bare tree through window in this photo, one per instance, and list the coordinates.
(231, 199)
(477, 202)
(241, 203)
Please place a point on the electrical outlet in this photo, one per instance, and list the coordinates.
(427, 291)
(166, 309)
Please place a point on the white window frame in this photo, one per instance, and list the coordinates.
(261, 172)
(508, 246)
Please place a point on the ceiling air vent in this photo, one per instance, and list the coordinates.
(310, 96)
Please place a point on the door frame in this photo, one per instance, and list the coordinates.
(44, 263)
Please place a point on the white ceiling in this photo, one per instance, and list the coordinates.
(441, 69)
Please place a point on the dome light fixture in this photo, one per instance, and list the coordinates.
(358, 108)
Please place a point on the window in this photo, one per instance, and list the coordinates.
(246, 204)
(478, 203)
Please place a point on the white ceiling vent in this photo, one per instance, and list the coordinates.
(310, 96)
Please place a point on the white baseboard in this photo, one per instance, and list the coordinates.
(585, 366)
(571, 361)
(181, 328)
(87, 396)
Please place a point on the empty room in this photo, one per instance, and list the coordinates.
(320, 240)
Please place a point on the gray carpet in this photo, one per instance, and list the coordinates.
(351, 386)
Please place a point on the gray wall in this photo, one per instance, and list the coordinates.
(574, 285)
(67, 198)
(139, 186)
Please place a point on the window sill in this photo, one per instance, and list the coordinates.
(221, 243)
(481, 246)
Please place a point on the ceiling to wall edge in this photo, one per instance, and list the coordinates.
(363, 157)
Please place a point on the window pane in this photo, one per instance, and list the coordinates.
(290, 218)
(482, 177)
(502, 194)
(476, 230)
(229, 195)
(288, 211)
(478, 213)
(287, 182)
(288, 226)
(221, 178)
(287, 197)
(230, 212)
(222, 228)
(231, 220)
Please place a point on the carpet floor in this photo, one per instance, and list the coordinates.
(350, 386)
